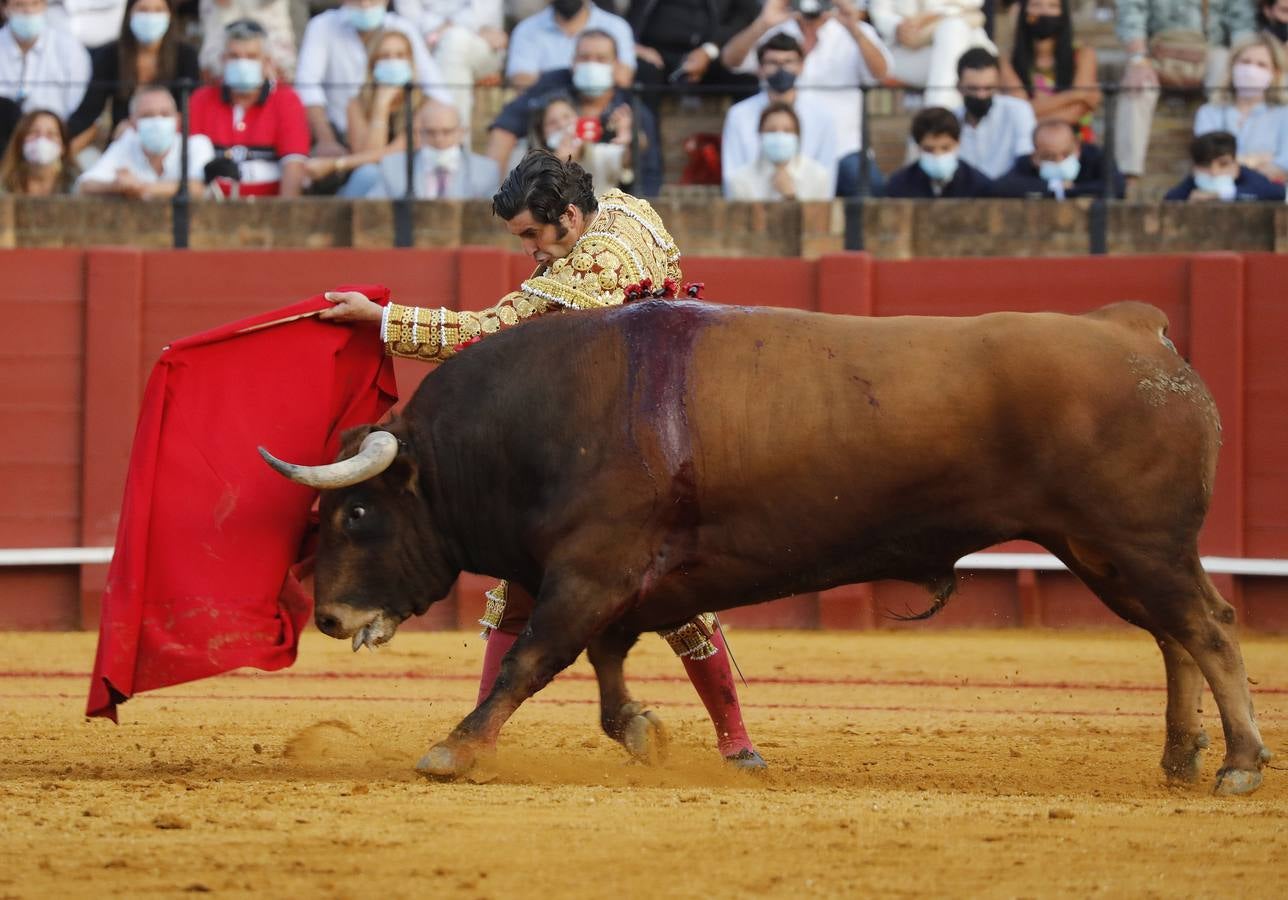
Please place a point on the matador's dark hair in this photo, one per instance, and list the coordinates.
(544, 185)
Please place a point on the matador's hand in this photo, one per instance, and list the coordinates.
(350, 306)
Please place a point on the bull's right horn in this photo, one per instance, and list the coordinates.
(374, 456)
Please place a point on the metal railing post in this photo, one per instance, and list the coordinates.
(403, 205)
(854, 237)
(181, 202)
(1098, 215)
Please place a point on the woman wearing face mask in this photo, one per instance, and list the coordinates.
(1249, 107)
(37, 162)
(555, 127)
(377, 120)
(148, 51)
(780, 172)
(1049, 69)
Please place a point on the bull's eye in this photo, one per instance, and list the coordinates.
(357, 513)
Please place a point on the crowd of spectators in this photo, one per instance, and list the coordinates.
(90, 95)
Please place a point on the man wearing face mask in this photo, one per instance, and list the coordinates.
(258, 127)
(143, 163)
(996, 128)
(590, 84)
(42, 66)
(546, 42)
(443, 169)
(781, 61)
(1218, 177)
(1061, 166)
(937, 172)
(333, 66)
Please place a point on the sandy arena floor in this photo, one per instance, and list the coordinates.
(947, 764)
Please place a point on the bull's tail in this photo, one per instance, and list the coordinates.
(941, 589)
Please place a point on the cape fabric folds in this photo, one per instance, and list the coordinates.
(202, 579)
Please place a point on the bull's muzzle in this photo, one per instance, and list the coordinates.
(377, 452)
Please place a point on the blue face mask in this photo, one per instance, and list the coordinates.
(1066, 170)
(244, 74)
(156, 133)
(1221, 185)
(592, 78)
(779, 146)
(365, 18)
(392, 72)
(149, 27)
(27, 27)
(938, 166)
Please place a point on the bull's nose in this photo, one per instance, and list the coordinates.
(329, 625)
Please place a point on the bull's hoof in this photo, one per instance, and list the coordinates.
(1233, 782)
(444, 762)
(747, 760)
(645, 738)
(1183, 762)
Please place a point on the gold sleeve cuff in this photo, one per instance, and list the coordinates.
(438, 334)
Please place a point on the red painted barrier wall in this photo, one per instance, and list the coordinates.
(84, 327)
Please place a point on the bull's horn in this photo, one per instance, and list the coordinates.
(374, 456)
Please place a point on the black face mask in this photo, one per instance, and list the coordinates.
(780, 81)
(977, 107)
(1045, 27)
(1277, 28)
(566, 9)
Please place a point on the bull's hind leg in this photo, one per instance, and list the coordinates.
(624, 720)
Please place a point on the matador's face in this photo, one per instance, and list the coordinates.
(547, 241)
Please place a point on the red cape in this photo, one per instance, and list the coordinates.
(202, 581)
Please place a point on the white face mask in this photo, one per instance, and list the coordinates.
(448, 158)
(592, 78)
(41, 151)
(1221, 185)
(1250, 80)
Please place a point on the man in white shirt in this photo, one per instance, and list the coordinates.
(547, 41)
(466, 38)
(333, 66)
(41, 66)
(143, 163)
(781, 61)
(996, 128)
(841, 53)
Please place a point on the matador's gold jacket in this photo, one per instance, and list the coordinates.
(625, 243)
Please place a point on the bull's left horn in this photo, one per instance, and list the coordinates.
(374, 456)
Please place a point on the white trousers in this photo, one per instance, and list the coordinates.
(463, 57)
(934, 67)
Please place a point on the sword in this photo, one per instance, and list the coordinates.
(729, 649)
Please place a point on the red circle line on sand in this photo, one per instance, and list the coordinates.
(679, 679)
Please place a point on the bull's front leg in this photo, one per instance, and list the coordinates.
(568, 613)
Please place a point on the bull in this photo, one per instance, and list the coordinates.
(634, 466)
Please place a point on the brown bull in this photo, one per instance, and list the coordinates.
(634, 466)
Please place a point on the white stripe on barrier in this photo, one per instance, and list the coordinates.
(975, 562)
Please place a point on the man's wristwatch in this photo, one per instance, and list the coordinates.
(711, 50)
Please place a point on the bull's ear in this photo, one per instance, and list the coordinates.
(403, 473)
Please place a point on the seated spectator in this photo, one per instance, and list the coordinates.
(333, 66)
(1049, 69)
(546, 42)
(377, 116)
(149, 50)
(258, 127)
(42, 66)
(926, 38)
(443, 166)
(995, 128)
(590, 85)
(273, 15)
(781, 60)
(38, 161)
(841, 53)
(780, 172)
(1217, 175)
(1249, 107)
(1167, 46)
(679, 42)
(466, 38)
(92, 22)
(1272, 18)
(144, 162)
(937, 172)
(1062, 165)
(554, 126)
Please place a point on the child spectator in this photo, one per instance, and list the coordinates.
(273, 15)
(42, 66)
(1062, 166)
(996, 128)
(1218, 177)
(938, 172)
(443, 167)
(1249, 107)
(1050, 69)
(144, 162)
(148, 51)
(38, 161)
(927, 37)
(546, 41)
(780, 172)
(466, 38)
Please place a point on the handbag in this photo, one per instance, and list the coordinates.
(1180, 58)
